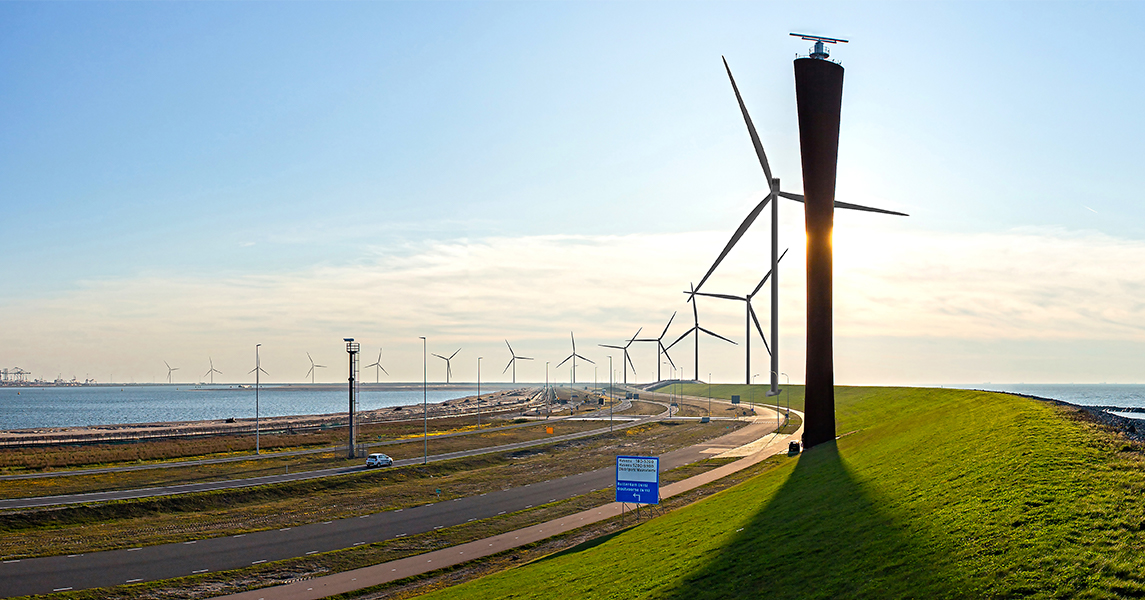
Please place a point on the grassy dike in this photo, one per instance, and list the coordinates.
(933, 493)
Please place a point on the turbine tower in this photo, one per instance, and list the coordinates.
(819, 89)
(749, 318)
(627, 359)
(448, 368)
(313, 366)
(573, 356)
(170, 370)
(212, 371)
(696, 329)
(660, 346)
(513, 361)
(378, 365)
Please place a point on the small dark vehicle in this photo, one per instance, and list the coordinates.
(793, 448)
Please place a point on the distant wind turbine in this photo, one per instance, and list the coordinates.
(660, 346)
(313, 366)
(378, 365)
(513, 361)
(448, 368)
(212, 371)
(627, 359)
(749, 317)
(696, 329)
(573, 356)
(170, 370)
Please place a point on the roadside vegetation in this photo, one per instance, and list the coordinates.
(121, 524)
(934, 493)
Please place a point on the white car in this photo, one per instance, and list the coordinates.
(379, 460)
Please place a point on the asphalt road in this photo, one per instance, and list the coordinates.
(104, 569)
(41, 501)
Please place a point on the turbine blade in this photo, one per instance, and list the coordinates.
(790, 196)
(750, 127)
(765, 277)
(754, 318)
(630, 340)
(884, 211)
(439, 356)
(685, 334)
(751, 217)
(668, 356)
(506, 369)
(585, 359)
(724, 296)
(630, 363)
(709, 332)
(563, 362)
(454, 354)
(523, 357)
(511, 353)
(384, 370)
(611, 346)
(665, 332)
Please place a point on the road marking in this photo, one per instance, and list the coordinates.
(286, 529)
(399, 510)
(393, 569)
(134, 549)
(439, 527)
(326, 523)
(239, 535)
(74, 555)
(258, 562)
(364, 517)
(470, 520)
(190, 542)
(359, 543)
(61, 589)
(134, 580)
(200, 571)
(11, 561)
(553, 500)
(311, 552)
(501, 513)
(529, 506)
(485, 494)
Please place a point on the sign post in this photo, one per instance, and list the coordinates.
(638, 479)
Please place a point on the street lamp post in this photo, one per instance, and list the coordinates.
(610, 393)
(709, 396)
(547, 397)
(424, 402)
(257, 370)
(478, 392)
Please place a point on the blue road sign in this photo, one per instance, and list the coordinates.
(638, 479)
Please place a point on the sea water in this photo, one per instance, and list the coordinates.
(27, 407)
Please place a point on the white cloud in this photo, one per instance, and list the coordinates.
(891, 284)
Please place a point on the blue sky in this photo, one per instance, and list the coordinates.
(185, 179)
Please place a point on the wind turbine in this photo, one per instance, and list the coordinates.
(573, 356)
(448, 368)
(749, 317)
(660, 346)
(312, 367)
(378, 365)
(170, 370)
(212, 371)
(697, 329)
(774, 193)
(513, 361)
(627, 359)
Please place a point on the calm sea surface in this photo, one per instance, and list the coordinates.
(1126, 395)
(22, 408)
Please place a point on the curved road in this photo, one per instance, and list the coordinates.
(103, 569)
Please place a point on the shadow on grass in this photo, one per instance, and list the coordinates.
(821, 536)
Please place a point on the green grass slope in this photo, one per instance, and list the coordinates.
(937, 494)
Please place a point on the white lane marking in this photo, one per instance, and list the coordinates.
(61, 589)
(473, 519)
(258, 562)
(74, 555)
(328, 522)
(553, 500)
(190, 542)
(311, 552)
(135, 549)
(200, 571)
(134, 580)
(359, 543)
(364, 517)
(286, 529)
(399, 510)
(11, 561)
(485, 494)
(239, 535)
(529, 506)
(501, 513)
(393, 570)
(439, 527)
